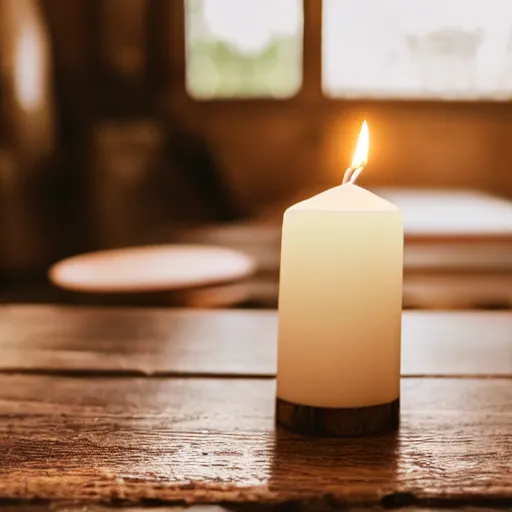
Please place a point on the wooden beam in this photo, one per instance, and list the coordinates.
(312, 51)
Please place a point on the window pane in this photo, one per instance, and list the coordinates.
(243, 48)
(439, 49)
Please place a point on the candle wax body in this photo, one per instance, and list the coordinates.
(340, 300)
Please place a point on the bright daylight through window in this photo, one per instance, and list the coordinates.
(243, 48)
(432, 49)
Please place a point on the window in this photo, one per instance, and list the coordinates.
(375, 49)
(427, 49)
(243, 48)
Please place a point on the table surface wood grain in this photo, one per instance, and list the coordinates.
(148, 407)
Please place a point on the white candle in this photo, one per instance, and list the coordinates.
(340, 301)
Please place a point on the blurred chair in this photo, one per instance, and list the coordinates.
(177, 275)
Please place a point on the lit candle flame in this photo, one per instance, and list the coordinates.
(360, 155)
(363, 143)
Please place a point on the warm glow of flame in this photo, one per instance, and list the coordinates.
(363, 144)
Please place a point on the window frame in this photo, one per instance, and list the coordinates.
(311, 90)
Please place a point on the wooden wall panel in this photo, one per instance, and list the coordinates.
(271, 151)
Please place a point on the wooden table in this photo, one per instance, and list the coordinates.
(144, 407)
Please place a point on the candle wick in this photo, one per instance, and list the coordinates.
(356, 174)
(346, 176)
(351, 174)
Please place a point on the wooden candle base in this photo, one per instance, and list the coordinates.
(328, 422)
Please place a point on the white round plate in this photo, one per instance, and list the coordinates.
(151, 268)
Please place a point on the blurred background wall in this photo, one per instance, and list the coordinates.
(268, 147)
(156, 113)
